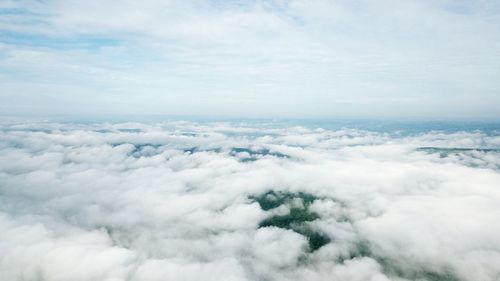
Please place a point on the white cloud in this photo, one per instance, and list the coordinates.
(136, 201)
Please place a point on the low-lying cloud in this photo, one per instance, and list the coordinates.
(187, 201)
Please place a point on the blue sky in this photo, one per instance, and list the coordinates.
(388, 58)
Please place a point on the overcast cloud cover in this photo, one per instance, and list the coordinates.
(435, 58)
(175, 201)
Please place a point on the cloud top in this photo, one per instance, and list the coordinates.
(185, 201)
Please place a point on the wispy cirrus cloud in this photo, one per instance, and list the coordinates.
(417, 58)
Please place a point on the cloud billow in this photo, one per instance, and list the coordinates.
(219, 201)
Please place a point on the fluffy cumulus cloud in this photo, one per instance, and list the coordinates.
(188, 201)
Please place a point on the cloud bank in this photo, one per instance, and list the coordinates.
(220, 201)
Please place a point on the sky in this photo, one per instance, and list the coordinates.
(397, 59)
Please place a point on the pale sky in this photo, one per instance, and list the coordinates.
(387, 58)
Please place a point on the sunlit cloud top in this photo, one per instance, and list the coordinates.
(437, 59)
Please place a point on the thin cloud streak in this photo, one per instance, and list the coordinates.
(259, 58)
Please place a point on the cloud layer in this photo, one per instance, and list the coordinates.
(176, 201)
